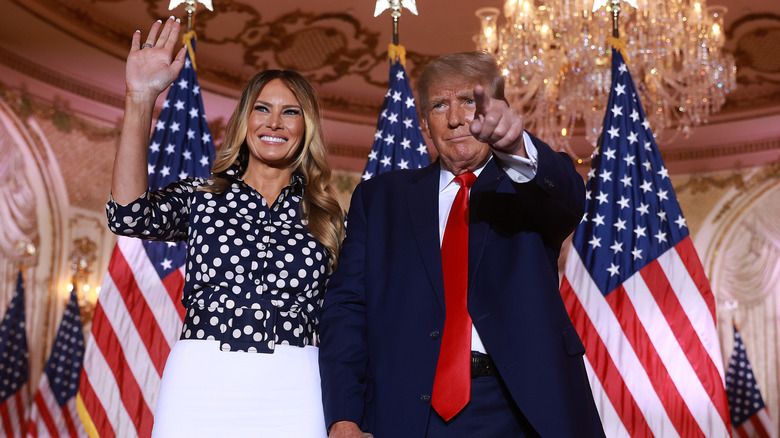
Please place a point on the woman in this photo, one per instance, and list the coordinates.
(263, 233)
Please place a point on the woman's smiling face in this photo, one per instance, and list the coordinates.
(276, 127)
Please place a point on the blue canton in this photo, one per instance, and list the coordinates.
(632, 215)
(398, 141)
(181, 146)
(741, 387)
(63, 368)
(14, 356)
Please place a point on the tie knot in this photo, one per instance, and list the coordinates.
(466, 179)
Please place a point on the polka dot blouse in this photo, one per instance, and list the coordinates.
(255, 275)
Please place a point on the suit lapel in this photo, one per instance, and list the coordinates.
(423, 201)
(480, 202)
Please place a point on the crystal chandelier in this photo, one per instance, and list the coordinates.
(554, 55)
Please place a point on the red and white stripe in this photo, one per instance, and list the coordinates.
(13, 413)
(137, 320)
(48, 419)
(653, 355)
(759, 425)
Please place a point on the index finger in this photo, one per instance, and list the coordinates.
(481, 100)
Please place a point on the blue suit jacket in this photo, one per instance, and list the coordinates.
(384, 307)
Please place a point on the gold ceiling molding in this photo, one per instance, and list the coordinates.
(722, 151)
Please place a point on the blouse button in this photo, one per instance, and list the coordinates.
(257, 281)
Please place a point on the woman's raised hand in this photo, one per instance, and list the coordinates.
(151, 66)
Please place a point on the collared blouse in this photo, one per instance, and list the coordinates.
(255, 275)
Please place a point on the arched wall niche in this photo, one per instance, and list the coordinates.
(740, 244)
(32, 213)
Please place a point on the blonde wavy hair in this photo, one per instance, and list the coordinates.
(319, 205)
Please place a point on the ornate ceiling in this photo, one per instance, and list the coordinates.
(79, 46)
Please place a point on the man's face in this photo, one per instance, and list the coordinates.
(446, 120)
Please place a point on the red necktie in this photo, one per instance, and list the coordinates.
(452, 384)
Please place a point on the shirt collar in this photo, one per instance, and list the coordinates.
(446, 177)
(237, 169)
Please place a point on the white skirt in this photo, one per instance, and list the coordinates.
(206, 392)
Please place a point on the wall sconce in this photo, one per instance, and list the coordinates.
(83, 254)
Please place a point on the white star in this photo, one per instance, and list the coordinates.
(206, 138)
(422, 149)
(179, 105)
(626, 180)
(372, 156)
(623, 68)
(643, 209)
(196, 90)
(617, 247)
(160, 125)
(174, 127)
(406, 143)
(187, 63)
(648, 165)
(639, 231)
(165, 171)
(403, 164)
(606, 176)
(584, 217)
(190, 134)
(680, 221)
(154, 147)
(396, 96)
(595, 242)
(648, 146)
(408, 123)
(634, 115)
(646, 124)
(204, 161)
(393, 118)
(602, 197)
(183, 175)
(171, 148)
(613, 132)
(610, 154)
(378, 134)
(193, 113)
(617, 111)
(187, 155)
(620, 89)
(662, 215)
(598, 220)
(591, 173)
(166, 103)
(367, 176)
(663, 195)
(637, 253)
(624, 202)
(663, 172)
(386, 160)
(399, 75)
(646, 186)
(587, 195)
(384, 114)
(149, 169)
(620, 224)
(633, 138)
(629, 159)
(660, 236)
(166, 264)
(183, 84)
(613, 269)
(390, 139)
(409, 102)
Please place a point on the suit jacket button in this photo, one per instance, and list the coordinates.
(435, 334)
(425, 398)
(548, 182)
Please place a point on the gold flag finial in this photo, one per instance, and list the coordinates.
(190, 6)
(395, 7)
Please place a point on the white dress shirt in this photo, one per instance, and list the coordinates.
(519, 169)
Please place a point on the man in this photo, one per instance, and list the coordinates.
(392, 332)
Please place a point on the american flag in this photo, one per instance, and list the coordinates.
(749, 416)
(54, 412)
(636, 291)
(398, 141)
(139, 313)
(14, 366)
